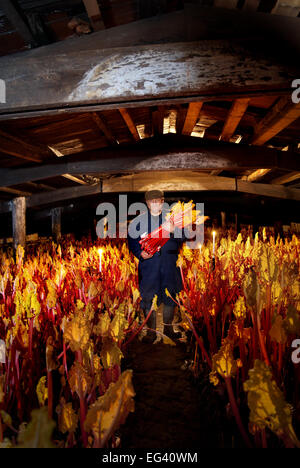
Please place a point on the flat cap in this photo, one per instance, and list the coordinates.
(152, 194)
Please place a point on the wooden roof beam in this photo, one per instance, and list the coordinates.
(103, 127)
(74, 179)
(130, 124)
(236, 113)
(155, 154)
(191, 117)
(18, 148)
(157, 115)
(282, 114)
(94, 14)
(286, 8)
(255, 175)
(16, 19)
(119, 77)
(286, 178)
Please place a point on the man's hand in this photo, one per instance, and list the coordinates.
(145, 255)
(169, 225)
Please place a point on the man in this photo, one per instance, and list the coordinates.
(158, 271)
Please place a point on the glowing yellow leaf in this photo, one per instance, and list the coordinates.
(67, 418)
(266, 403)
(110, 353)
(239, 309)
(77, 332)
(42, 391)
(277, 332)
(291, 323)
(223, 361)
(135, 294)
(102, 327)
(38, 433)
(118, 326)
(154, 305)
(111, 410)
(79, 379)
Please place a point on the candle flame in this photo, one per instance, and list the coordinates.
(100, 252)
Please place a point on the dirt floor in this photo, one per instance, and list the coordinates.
(173, 409)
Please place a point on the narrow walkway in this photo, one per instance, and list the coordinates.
(168, 411)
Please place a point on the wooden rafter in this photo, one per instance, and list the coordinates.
(13, 191)
(251, 5)
(18, 148)
(103, 127)
(16, 19)
(255, 175)
(282, 114)
(74, 179)
(158, 120)
(156, 154)
(94, 14)
(191, 117)
(236, 113)
(91, 79)
(129, 122)
(168, 181)
(287, 7)
(286, 178)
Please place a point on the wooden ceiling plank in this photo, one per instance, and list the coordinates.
(129, 122)
(99, 121)
(226, 3)
(286, 8)
(251, 5)
(155, 154)
(191, 117)
(157, 116)
(94, 14)
(281, 115)
(235, 114)
(255, 175)
(18, 148)
(20, 193)
(93, 79)
(286, 178)
(74, 179)
(16, 19)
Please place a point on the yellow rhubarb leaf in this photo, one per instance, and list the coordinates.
(111, 410)
(67, 417)
(239, 309)
(277, 332)
(80, 380)
(42, 391)
(38, 432)
(223, 362)
(267, 405)
(110, 353)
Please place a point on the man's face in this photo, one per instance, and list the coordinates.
(155, 205)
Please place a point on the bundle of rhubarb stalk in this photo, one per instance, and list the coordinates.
(180, 216)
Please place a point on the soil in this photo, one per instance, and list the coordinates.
(172, 410)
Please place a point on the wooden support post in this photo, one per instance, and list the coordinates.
(237, 223)
(223, 218)
(19, 221)
(56, 223)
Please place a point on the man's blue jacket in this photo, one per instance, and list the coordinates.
(160, 271)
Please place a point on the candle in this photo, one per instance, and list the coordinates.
(214, 239)
(100, 259)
